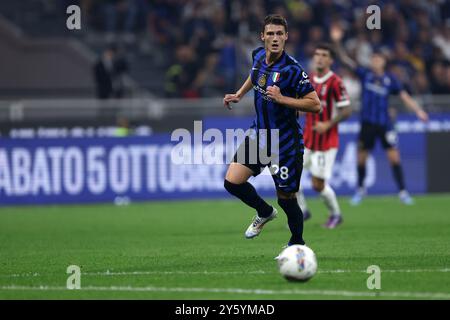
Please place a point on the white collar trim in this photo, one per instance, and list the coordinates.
(324, 78)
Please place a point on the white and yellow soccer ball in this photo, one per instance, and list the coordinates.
(297, 263)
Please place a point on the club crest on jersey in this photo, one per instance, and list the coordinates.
(275, 76)
(262, 80)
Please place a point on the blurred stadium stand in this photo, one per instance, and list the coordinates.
(202, 47)
(195, 49)
(42, 68)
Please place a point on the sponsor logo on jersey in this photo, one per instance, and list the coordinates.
(262, 80)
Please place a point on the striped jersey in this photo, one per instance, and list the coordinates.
(332, 95)
(375, 96)
(293, 81)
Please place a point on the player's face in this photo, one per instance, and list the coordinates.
(378, 62)
(274, 37)
(322, 60)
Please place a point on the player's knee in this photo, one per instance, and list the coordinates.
(394, 162)
(238, 173)
(393, 156)
(318, 185)
(362, 156)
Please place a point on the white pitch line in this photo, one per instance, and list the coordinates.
(432, 295)
(139, 273)
(125, 273)
(388, 270)
(129, 273)
(20, 275)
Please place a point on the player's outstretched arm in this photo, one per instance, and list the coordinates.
(336, 35)
(236, 97)
(411, 104)
(308, 103)
(342, 114)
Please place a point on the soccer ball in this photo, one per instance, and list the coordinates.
(297, 263)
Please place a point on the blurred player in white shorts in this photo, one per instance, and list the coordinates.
(320, 163)
(321, 133)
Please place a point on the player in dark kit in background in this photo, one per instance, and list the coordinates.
(321, 132)
(281, 88)
(377, 85)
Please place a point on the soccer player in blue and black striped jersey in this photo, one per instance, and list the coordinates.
(376, 124)
(281, 88)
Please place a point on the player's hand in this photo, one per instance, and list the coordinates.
(274, 93)
(336, 33)
(232, 97)
(422, 115)
(322, 127)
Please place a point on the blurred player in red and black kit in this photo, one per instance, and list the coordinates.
(321, 132)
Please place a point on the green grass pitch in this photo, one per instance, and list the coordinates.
(197, 250)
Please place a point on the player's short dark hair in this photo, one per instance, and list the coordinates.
(328, 47)
(276, 19)
(380, 53)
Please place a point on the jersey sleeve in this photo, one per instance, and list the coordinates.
(301, 83)
(256, 53)
(255, 56)
(396, 86)
(340, 94)
(361, 72)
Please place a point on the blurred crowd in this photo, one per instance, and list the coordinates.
(205, 45)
